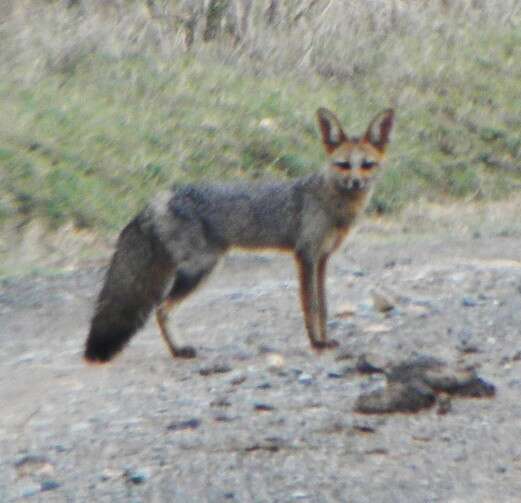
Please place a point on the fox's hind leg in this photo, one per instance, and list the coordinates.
(185, 283)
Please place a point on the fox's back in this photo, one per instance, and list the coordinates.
(248, 215)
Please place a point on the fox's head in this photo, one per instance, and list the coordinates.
(353, 162)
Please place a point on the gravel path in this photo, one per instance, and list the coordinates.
(258, 416)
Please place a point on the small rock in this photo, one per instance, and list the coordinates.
(468, 302)
(138, 476)
(379, 451)
(382, 301)
(305, 379)
(33, 465)
(466, 344)
(49, 485)
(377, 328)
(370, 364)
(263, 385)
(238, 378)
(223, 418)
(189, 424)
(275, 361)
(346, 310)
(341, 372)
(263, 407)
(220, 402)
(364, 428)
(270, 444)
(218, 368)
(516, 357)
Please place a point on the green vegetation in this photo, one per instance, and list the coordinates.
(92, 132)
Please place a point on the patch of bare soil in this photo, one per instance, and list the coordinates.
(258, 416)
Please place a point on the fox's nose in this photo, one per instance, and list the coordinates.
(356, 184)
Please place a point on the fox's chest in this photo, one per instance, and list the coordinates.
(334, 239)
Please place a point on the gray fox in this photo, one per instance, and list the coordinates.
(166, 251)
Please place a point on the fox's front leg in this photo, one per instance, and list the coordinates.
(322, 301)
(312, 295)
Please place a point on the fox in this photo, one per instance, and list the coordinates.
(168, 249)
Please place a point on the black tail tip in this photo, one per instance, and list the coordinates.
(102, 347)
(93, 355)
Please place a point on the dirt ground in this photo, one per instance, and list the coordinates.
(258, 416)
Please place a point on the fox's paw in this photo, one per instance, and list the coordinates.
(328, 344)
(185, 352)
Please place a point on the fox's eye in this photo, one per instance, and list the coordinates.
(343, 164)
(368, 164)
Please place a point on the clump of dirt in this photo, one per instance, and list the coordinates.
(415, 384)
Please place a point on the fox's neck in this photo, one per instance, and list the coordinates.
(345, 204)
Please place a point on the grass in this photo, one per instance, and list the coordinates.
(91, 132)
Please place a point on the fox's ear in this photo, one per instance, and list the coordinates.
(332, 132)
(379, 130)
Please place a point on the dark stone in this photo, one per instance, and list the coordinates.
(218, 368)
(370, 364)
(189, 424)
(49, 485)
(263, 407)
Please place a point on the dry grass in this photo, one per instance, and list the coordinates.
(101, 104)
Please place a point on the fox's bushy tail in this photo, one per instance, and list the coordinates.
(135, 282)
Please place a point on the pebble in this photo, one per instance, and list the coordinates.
(364, 427)
(218, 368)
(189, 424)
(49, 485)
(382, 301)
(32, 464)
(223, 418)
(346, 310)
(468, 302)
(275, 361)
(238, 378)
(220, 402)
(305, 379)
(377, 328)
(263, 407)
(370, 364)
(138, 476)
